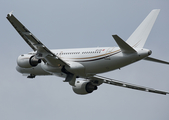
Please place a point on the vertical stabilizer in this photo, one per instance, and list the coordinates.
(140, 35)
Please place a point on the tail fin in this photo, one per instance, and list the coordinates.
(140, 35)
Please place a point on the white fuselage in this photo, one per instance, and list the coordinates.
(89, 61)
(86, 63)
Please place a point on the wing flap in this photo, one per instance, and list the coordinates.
(54, 61)
(127, 85)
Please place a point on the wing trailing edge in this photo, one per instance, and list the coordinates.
(102, 79)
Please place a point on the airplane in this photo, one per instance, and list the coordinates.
(86, 63)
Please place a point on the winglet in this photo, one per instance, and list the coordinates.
(9, 14)
(125, 48)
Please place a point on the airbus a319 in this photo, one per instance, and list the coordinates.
(86, 63)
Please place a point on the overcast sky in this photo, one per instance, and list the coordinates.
(77, 24)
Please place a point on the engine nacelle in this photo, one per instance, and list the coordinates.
(84, 87)
(27, 61)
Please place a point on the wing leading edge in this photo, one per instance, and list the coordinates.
(124, 84)
(42, 52)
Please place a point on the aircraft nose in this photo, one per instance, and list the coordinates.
(149, 52)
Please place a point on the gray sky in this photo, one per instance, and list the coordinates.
(76, 24)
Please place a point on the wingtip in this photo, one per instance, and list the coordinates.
(115, 35)
(10, 14)
(156, 10)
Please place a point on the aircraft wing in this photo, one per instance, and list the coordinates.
(124, 84)
(42, 52)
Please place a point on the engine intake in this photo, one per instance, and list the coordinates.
(84, 87)
(27, 61)
(33, 61)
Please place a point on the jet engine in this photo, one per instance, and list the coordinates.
(27, 61)
(84, 87)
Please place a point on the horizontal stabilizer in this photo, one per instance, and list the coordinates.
(125, 48)
(156, 60)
